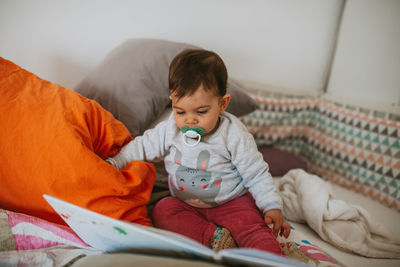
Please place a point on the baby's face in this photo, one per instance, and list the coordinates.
(200, 109)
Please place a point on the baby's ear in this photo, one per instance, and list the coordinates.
(224, 102)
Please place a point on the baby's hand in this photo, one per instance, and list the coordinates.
(280, 226)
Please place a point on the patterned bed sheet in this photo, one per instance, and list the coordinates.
(31, 241)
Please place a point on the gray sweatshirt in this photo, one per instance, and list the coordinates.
(222, 167)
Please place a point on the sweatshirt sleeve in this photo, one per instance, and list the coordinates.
(148, 147)
(254, 170)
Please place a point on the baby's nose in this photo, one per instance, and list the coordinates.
(190, 120)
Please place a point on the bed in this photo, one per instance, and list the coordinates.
(55, 140)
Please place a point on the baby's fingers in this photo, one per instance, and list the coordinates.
(268, 220)
(277, 227)
(285, 230)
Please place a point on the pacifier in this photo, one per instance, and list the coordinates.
(192, 136)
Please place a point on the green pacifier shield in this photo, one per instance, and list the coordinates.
(196, 129)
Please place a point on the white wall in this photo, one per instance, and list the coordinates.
(283, 43)
(366, 68)
(280, 43)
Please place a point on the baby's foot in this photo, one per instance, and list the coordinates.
(222, 239)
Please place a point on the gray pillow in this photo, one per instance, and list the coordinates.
(132, 83)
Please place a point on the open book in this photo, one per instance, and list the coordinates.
(111, 235)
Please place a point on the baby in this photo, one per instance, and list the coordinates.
(221, 189)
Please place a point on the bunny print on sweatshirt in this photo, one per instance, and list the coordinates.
(197, 187)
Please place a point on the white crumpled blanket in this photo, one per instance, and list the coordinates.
(308, 199)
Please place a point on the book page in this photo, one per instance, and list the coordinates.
(111, 235)
(108, 234)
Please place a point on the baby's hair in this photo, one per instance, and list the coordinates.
(194, 67)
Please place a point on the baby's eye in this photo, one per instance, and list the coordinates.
(202, 111)
(180, 112)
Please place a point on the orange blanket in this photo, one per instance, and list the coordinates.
(54, 141)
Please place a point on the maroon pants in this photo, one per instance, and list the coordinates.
(240, 216)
